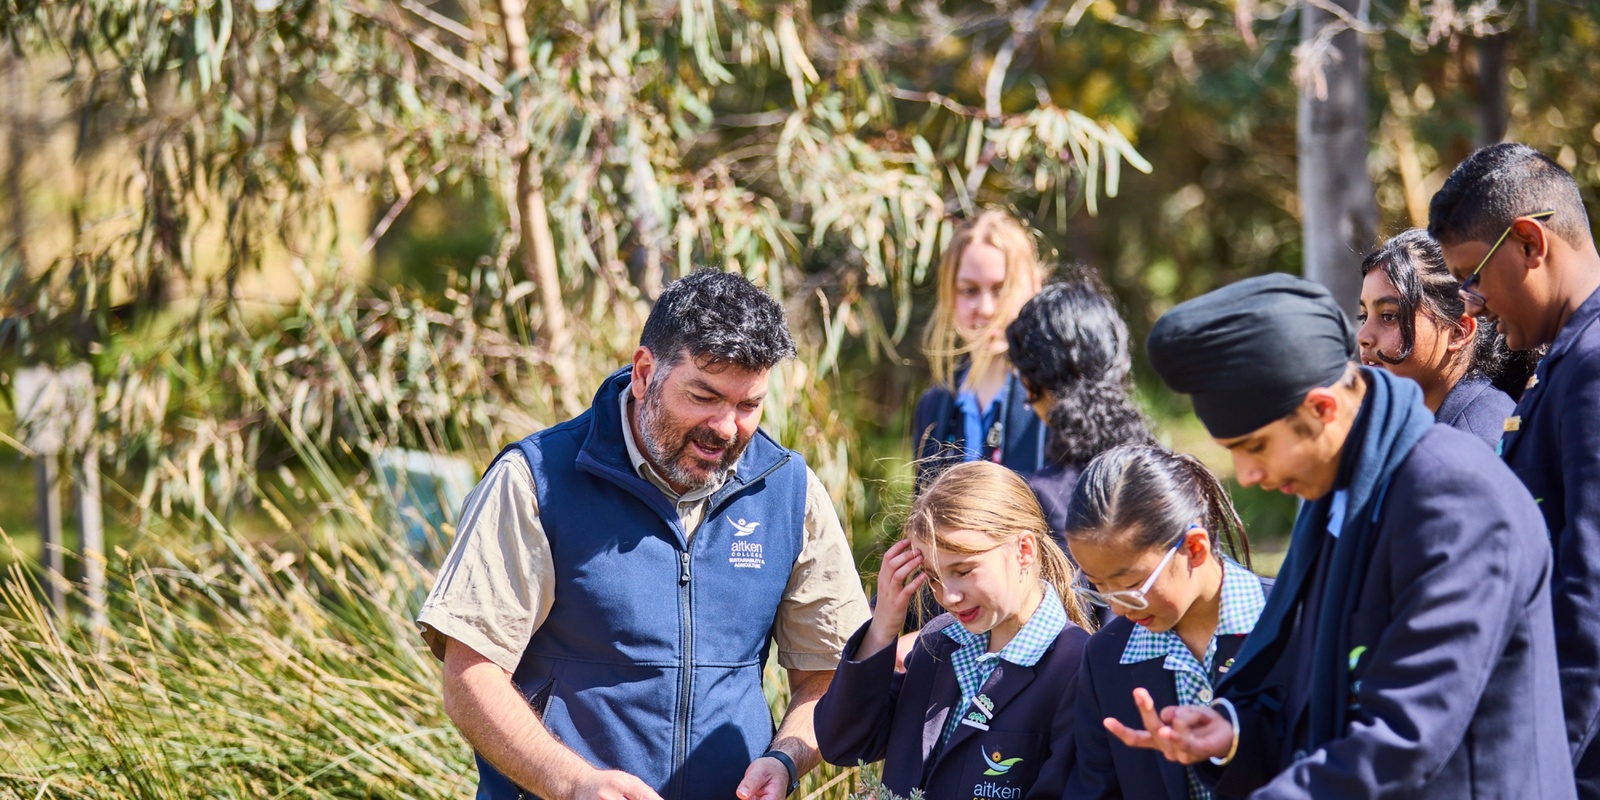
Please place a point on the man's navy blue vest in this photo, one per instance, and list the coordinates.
(651, 659)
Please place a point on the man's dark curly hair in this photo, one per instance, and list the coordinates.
(717, 318)
(1070, 341)
(1500, 183)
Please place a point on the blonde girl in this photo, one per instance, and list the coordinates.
(976, 408)
(985, 705)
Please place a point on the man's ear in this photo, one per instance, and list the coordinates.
(1463, 333)
(644, 367)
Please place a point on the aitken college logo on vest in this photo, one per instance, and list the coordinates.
(744, 553)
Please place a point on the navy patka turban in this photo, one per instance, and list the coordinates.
(1248, 353)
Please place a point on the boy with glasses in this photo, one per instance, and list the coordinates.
(1514, 229)
(1406, 649)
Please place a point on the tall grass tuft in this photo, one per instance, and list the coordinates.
(235, 671)
(232, 671)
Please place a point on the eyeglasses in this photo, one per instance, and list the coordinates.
(1472, 298)
(1134, 599)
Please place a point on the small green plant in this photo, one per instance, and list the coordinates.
(872, 787)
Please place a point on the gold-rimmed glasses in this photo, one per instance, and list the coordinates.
(1472, 298)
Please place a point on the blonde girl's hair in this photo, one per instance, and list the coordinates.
(996, 503)
(942, 342)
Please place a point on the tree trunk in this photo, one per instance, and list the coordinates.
(533, 224)
(11, 65)
(1492, 109)
(1339, 212)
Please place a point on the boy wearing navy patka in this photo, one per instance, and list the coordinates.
(1406, 650)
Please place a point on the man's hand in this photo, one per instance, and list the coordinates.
(765, 779)
(492, 714)
(1185, 734)
(613, 785)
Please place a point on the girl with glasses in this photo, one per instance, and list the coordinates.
(1414, 323)
(1146, 527)
(984, 707)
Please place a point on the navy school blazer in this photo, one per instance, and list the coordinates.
(1474, 405)
(1554, 447)
(1453, 692)
(1108, 769)
(870, 712)
(937, 437)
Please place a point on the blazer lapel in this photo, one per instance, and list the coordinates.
(1227, 650)
(943, 696)
(1530, 400)
(1003, 685)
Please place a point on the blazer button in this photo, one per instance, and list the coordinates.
(1205, 694)
(1299, 754)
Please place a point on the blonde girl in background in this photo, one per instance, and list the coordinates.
(985, 705)
(977, 409)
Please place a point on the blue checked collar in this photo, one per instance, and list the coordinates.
(1242, 602)
(1028, 646)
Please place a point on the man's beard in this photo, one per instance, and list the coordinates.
(666, 444)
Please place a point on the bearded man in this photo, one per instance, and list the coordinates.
(617, 580)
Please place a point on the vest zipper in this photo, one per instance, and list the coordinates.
(680, 739)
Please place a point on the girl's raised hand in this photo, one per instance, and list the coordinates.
(898, 581)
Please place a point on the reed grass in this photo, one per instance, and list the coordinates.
(231, 670)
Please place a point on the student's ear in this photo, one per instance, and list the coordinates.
(1463, 333)
(1533, 242)
(1197, 547)
(1322, 404)
(1027, 548)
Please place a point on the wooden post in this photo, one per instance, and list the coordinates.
(91, 536)
(50, 545)
(55, 411)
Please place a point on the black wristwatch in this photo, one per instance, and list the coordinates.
(788, 764)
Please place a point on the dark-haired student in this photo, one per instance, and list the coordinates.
(1070, 348)
(1147, 527)
(1515, 233)
(1414, 323)
(1406, 649)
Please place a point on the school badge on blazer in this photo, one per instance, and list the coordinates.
(998, 764)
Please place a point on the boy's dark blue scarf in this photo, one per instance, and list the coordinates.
(1395, 420)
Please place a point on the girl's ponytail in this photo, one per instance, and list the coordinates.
(1221, 519)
